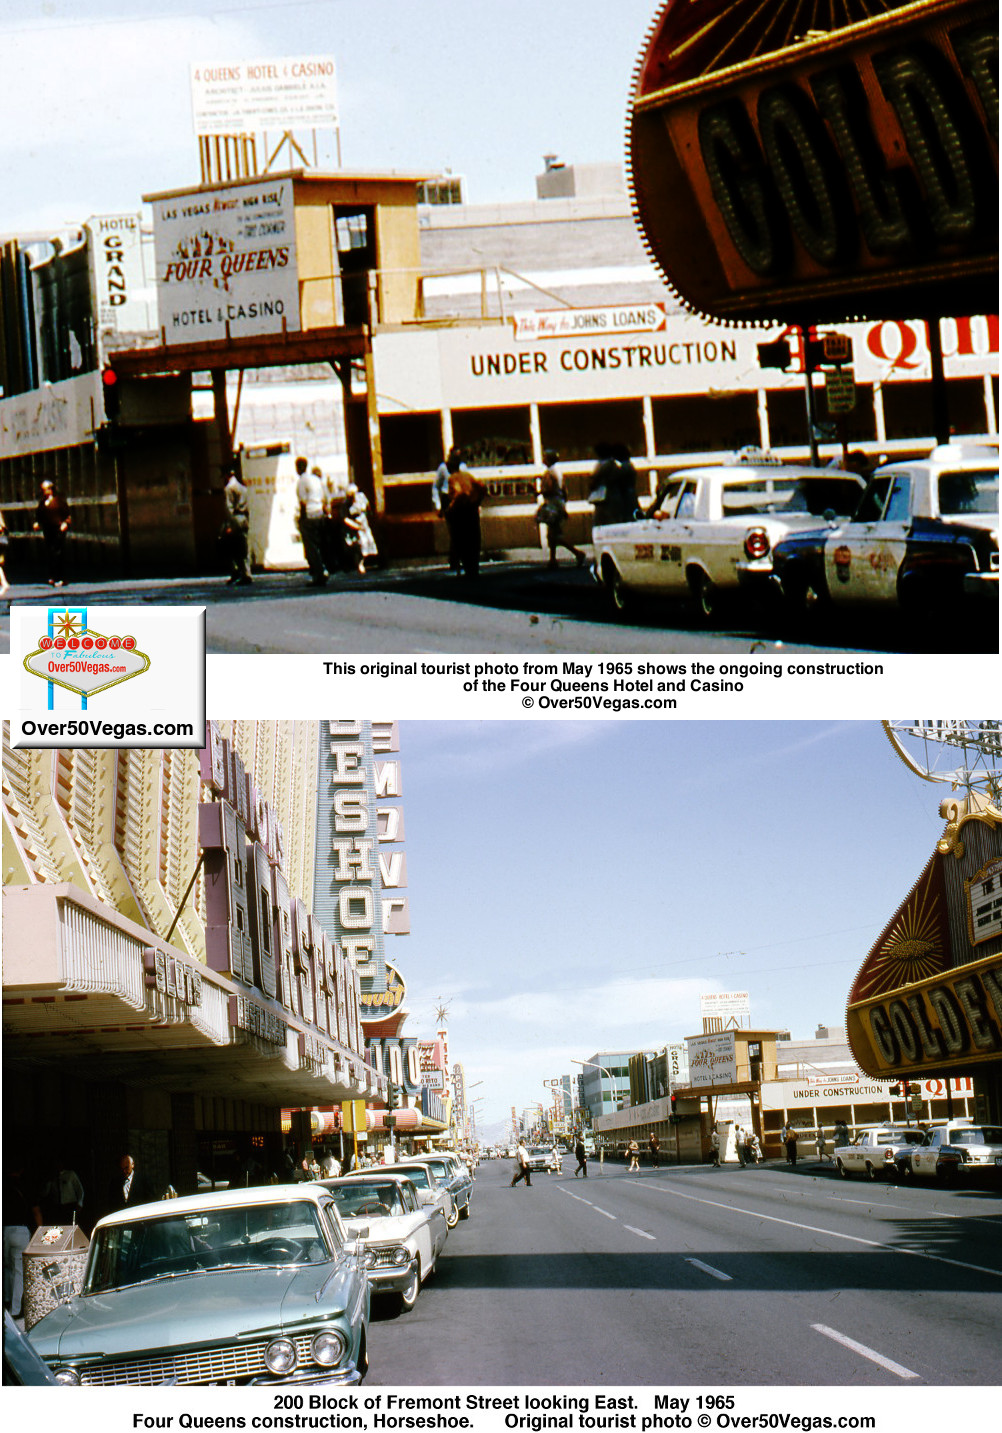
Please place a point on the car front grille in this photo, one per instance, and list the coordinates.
(383, 1259)
(210, 1365)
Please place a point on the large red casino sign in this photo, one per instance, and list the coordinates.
(783, 173)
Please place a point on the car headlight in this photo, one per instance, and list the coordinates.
(280, 1356)
(401, 1255)
(368, 1258)
(328, 1348)
(67, 1375)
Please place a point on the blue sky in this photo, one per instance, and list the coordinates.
(576, 886)
(481, 88)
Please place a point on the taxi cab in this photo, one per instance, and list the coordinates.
(925, 535)
(709, 524)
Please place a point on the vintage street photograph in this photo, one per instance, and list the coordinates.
(467, 328)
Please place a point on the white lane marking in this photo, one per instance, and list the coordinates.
(642, 1232)
(872, 1204)
(869, 1353)
(831, 1233)
(709, 1269)
(576, 1196)
(603, 1211)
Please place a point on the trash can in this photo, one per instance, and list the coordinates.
(54, 1263)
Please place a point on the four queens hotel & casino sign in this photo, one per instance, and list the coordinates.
(782, 172)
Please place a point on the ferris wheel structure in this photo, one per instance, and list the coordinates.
(964, 755)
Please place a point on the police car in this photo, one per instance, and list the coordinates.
(924, 535)
(709, 524)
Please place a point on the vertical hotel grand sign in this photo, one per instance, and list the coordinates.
(361, 872)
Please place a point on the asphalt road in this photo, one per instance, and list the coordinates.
(696, 1276)
(516, 606)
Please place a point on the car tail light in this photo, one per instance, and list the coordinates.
(757, 543)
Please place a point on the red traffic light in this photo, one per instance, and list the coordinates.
(112, 393)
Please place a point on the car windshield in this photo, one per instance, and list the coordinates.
(838, 493)
(376, 1199)
(419, 1175)
(969, 492)
(983, 1134)
(540, 1149)
(288, 1232)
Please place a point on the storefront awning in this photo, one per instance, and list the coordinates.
(87, 989)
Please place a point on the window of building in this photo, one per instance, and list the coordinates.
(573, 429)
(440, 191)
(411, 442)
(695, 424)
(492, 437)
(787, 410)
(908, 409)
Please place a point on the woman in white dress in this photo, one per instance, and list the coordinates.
(357, 523)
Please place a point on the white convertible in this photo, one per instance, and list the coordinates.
(402, 1234)
(707, 525)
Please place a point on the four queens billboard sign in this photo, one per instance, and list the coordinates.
(226, 261)
(252, 96)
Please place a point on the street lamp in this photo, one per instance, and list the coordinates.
(612, 1078)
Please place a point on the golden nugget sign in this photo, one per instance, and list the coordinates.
(377, 1004)
(955, 1019)
(782, 171)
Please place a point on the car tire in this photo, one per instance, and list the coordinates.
(619, 593)
(706, 596)
(464, 1213)
(407, 1297)
(452, 1219)
(871, 1173)
(843, 1172)
(806, 598)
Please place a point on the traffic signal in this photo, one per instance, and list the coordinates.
(391, 1096)
(774, 355)
(895, 1090)
(112, 390)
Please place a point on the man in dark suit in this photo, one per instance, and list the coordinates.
(128, 1186)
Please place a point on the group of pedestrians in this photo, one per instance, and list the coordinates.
(335, 526)
(333, 523)
(457, 496)
(746, 1146)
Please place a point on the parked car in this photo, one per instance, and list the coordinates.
(923, 538)
(958, 1149)
(22, 1366)
(431, 1189)
(248, 1286)
(403, 1237)
(707, 525)
(875, 1151)
(454, 1174)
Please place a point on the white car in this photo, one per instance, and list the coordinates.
(402, 1237)
(708, 525)
(964, 1149)
(431, 1189)
(875, 1151)
(924, 538)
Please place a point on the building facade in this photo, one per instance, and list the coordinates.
(170, 983)
(505, 330)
